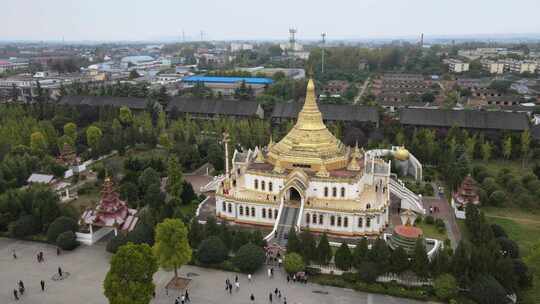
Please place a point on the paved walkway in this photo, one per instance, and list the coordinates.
(447, 215)
(362, 90)
(88, 266)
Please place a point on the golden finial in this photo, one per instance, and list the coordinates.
(322, 171)
(277, 167)
(260, 156)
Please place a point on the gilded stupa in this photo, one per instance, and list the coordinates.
(309, 144)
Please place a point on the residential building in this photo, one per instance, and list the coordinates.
(236, 47)
(493, 67)
(457, 66)
(226, 86)
(330, 112)
(520, 66)
(336, 88)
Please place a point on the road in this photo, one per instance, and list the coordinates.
(362, 91)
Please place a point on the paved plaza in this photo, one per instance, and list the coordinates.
(88, 266)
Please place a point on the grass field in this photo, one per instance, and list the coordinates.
(524, 228)
(430, 231)
(493, 166)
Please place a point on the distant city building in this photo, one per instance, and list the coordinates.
(236, 47)
(457, 66)
(336, 88)
(493, 67)
(139, 63)
(520, 66)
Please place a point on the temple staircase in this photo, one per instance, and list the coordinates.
(287, 220)
(409, 200)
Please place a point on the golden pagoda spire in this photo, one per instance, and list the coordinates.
(310, 118)
(271, 143)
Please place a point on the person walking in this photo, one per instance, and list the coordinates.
(57, 250)
(249, 277)
(14, 254)
(272, 271)
(269, 273)
(270, 297)
(15, 294)
(252, 298)
(279, 294)
(237, 285)
(284, 300)
(183, 299)
(60, 273)
(187, 296)
(236, 278)
(21, 287)
(42, 283)
(176, 301)
(288, 278)
(276, 291)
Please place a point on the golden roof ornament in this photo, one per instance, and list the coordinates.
(401, 154)
(271, 143)
(353, 164)
(260, 157)
(322, 171)
(309, 143)
(277, 167)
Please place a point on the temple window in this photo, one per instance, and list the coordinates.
(339, 221)
(360, 224)
(345, 222)
(256, 184)
(334, 192)
(326, 191)
(264, 213)
(332, 220)
(252, 211)
(342, 191)
(238, 171)
(368, 222)
(314, 219)
(269, 213)
(368, 206)
(321, 219)
(230, 207)
(270, 186)
(275, 213)
(307, 218)
(241, 210)
(263, 185)
(224, 207)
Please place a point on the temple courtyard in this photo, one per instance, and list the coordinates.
(88, 265)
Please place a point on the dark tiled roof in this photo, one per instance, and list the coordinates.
(330, 112)
(473, 119)
(215, 106)
(535, 132)
(95, 101)
(190, 106)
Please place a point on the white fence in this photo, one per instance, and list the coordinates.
(92, 238)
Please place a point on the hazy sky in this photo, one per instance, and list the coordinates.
(253, 19)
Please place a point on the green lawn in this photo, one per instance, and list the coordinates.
(430, 231)
(493, 166)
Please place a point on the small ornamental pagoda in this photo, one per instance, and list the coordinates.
(111, 211)
(467, 193)
(67, 156)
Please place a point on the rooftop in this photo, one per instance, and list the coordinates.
(219, 79)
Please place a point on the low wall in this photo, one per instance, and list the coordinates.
(91, 238)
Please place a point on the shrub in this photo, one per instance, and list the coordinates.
(497, 198)
(350, 277)
(368, 272)
(445, 286)
(26, 225)
(343, 257)
(67, 240)
(430, 220)
(249, 258)
(61, 224)
(498, 231)
(486, 290)
(293, 262)
(212, 251)
(116, 242)
(510, 247)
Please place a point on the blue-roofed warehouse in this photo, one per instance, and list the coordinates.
(228, 80)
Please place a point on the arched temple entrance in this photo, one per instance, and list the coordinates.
(294, 196)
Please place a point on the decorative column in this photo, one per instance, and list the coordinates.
(226, 140)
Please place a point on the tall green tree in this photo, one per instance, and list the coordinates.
(525, 145)
(174, 178)
(171, 246)
(420, 263)
(293, 243)
(360, 253)
(38, 143)
(70, 130)
(130, 278)
(507, 147)
(93, 137)
(399, 260)
(486, 151)
(343, 258)
(324, 252)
